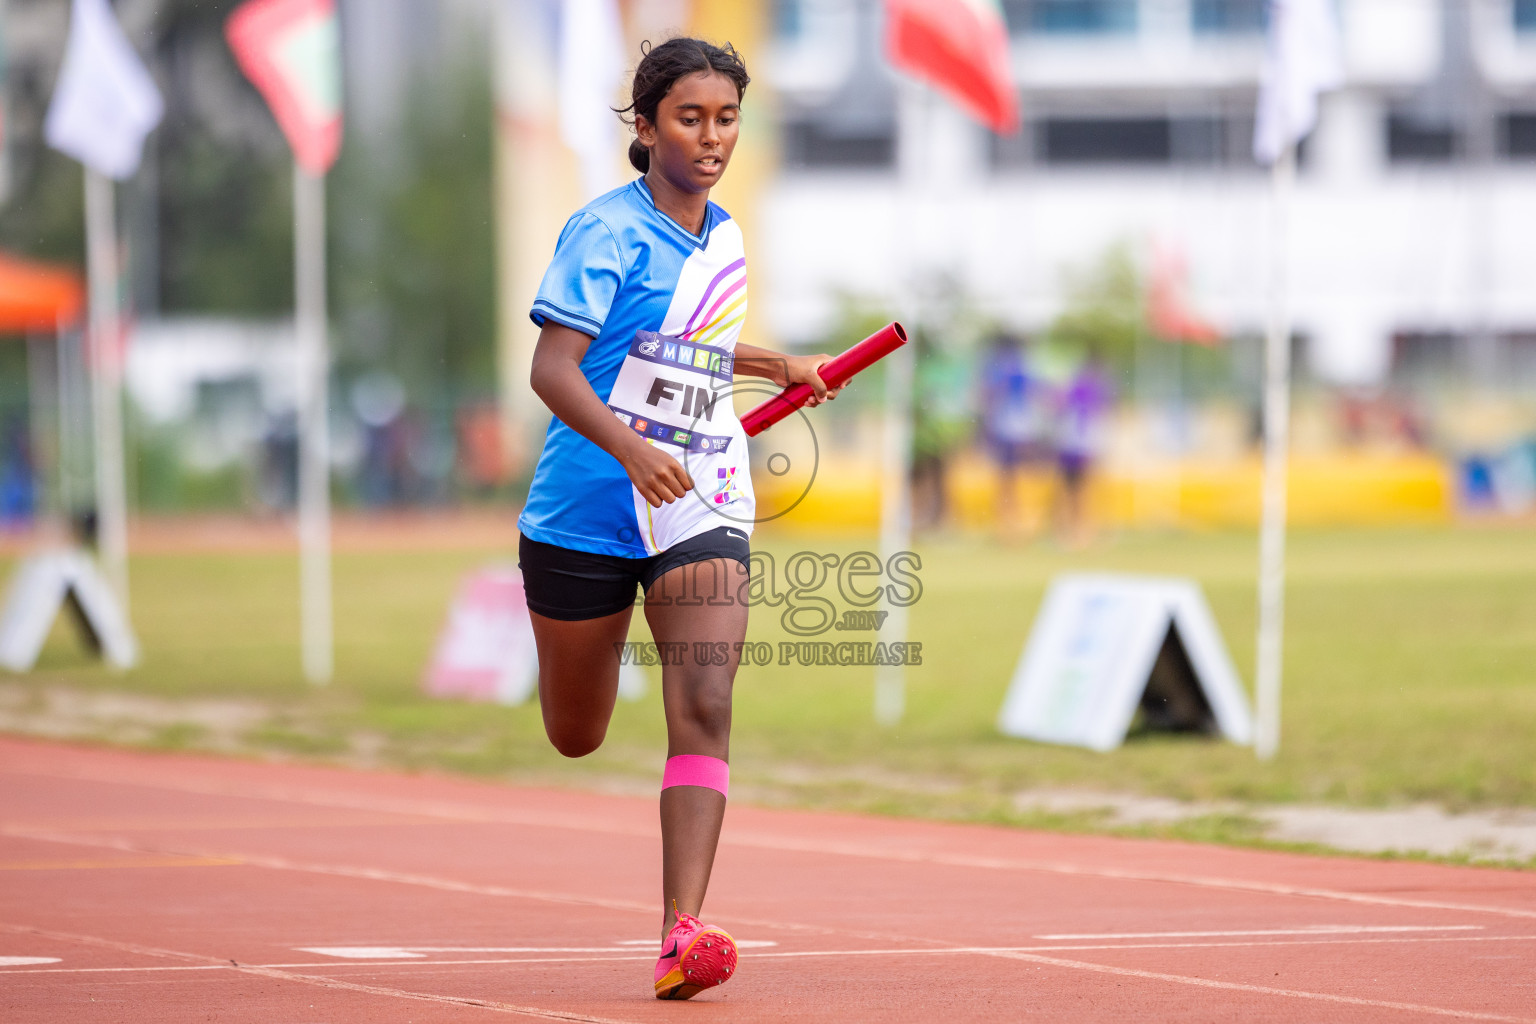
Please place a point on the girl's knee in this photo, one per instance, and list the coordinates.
(575, 739)
(706, 708)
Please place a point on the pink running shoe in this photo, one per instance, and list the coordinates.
(694, 957)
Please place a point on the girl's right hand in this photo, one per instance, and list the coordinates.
(658, 477)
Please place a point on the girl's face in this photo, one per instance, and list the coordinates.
(695, 131)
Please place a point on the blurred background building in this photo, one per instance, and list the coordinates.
(865, 196)
(1414, 208)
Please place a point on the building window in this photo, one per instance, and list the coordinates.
(1105, 140)
(1199, 140)
(1525, 15)
(1419, 356)
(1520, 359)
(1226, 16)
(1071, 17)
(1438, 358)
(809, 146)
(1518, 136)
(1413, 141)
(1187, 141)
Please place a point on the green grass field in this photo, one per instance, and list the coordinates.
(1410, 675)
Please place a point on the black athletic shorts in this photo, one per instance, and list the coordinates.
(570, 585)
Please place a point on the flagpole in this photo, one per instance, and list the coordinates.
(895, 520)
(1277, 416)
(896, 428)
(314, 429)
(106, 383)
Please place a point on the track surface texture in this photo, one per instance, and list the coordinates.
(169, 888)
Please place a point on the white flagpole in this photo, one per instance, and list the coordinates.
(896, 428)
(1277, 425)
(895, 519)
(314, 429)
(106, 383)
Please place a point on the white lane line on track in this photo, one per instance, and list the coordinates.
(330, 965)
(774, 954)
(348, 871)
(409, 952)
(306, 979)
(1315, 929)
(27, 961)
(418, 952)
(989, 950)
(1236, 986)
(469, 814)
(446, 884)
(1113, 874)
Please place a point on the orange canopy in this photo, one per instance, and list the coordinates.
(37, 296)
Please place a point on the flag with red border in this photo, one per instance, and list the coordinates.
(291, 51)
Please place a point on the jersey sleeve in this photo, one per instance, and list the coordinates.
(582, 279)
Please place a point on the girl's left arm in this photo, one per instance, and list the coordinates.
(785, 370)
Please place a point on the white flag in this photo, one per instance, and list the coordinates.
(105, 101)
(1305, 57)
(591, 71)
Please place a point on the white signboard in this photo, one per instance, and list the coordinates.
(47, 582)
(486, 650)
(1100, 641)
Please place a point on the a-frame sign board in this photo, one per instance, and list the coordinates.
(51, 581)
(486, 649)
(1108, 651)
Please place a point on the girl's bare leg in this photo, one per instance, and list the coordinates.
(578, 678)
(696, 604)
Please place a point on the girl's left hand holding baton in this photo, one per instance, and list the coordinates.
(785, 370)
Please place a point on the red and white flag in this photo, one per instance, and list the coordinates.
(291, 51)
(960, 47)
(1170, 311)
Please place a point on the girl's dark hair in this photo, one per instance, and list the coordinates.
(660, 68)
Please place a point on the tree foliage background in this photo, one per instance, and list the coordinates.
(208, 220)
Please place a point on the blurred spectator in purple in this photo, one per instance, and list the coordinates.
(1081, 406)
(386, 477)
(1015, 407)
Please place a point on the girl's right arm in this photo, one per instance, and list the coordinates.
(558, 380)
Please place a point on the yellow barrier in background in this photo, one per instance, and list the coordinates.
(1331, 490)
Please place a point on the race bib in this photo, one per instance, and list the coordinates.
(677, 396)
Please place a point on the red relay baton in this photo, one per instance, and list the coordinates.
(835, 372)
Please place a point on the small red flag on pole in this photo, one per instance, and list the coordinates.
(291, 51)
(960, 47)
(1170, 313)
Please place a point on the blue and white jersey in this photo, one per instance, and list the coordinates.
(664, 309)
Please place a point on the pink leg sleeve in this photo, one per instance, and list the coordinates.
(697, 770)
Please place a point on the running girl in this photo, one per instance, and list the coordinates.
(643, 478)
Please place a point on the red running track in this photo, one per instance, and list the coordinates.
(168, 888)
